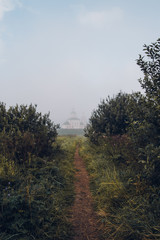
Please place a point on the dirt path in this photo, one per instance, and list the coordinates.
(83, 217)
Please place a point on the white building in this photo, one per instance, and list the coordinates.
(73, 122)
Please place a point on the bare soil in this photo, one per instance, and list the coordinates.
(84, 219)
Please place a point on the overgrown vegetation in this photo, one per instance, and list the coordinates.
(123, 156)
(128, 207)
(36, 176)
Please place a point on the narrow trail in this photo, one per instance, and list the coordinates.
(83, 217)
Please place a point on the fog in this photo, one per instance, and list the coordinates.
(70, 54)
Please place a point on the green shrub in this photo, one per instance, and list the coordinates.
(36, 177)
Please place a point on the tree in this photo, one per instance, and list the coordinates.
(151, 69)
(150, 66)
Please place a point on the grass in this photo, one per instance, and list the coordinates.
(35, 199)
(128, 208)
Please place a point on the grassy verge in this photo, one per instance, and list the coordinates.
(35, 199)
(128, 209)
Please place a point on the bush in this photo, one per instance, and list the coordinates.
(35, 201)
(25, 132)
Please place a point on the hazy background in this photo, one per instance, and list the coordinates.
(65, 54)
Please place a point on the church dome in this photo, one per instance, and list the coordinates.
(73, 122)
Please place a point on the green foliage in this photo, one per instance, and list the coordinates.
(116, 116)
(148, 130)
(36, 176)
(111, 118)
(151, 84)
(127, 207)
(24, 131)
(151, 70)
(34, 202)
(125, 131)
(135, 115)
(150, 66)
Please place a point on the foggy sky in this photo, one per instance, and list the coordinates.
(65, 54)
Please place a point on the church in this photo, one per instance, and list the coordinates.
(73, 125)
(73, 122)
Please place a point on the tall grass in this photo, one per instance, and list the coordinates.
(128, 208)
